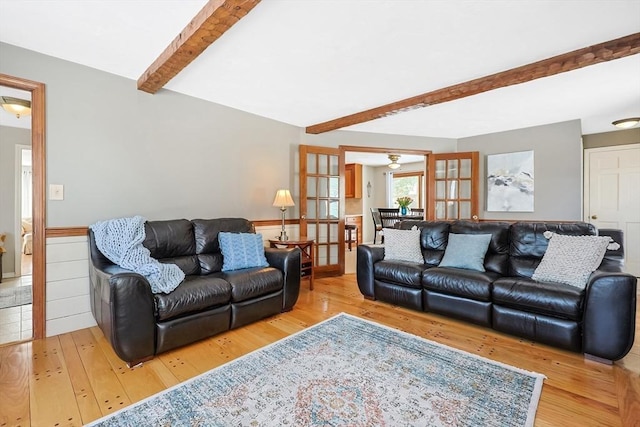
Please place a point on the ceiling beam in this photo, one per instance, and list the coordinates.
(215, 18)
(607, 51)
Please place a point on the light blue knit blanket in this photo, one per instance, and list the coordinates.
(120, 240)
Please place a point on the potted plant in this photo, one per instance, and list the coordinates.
(404, 203)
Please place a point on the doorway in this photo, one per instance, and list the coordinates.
(16, 295)
(37, 91)
(376, 181)
(611, 197)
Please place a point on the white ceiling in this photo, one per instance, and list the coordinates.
(305, 62)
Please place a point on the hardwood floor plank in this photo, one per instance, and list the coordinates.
(139, 382)
(15, 362)
(53, 401)
(43, 389)
(109, 392)
(85, 397)
(628, 391)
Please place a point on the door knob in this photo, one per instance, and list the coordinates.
(303, 217)
(594, 216)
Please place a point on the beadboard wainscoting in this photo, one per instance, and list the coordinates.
(67, 280)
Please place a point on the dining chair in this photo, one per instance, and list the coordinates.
(377, 225)
(389, 216)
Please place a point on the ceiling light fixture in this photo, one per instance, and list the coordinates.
(394, 161)
(626, 123)
(17, 106)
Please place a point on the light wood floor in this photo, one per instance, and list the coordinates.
(75, 378)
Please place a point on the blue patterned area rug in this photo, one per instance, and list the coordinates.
(346, 371)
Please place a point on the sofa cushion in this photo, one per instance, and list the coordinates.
(253, 282)
(471, 284)
(433, 238)
(466, 251)
(571, 259)
(172, 242)
(528, 244)
(402, 245)
(241, 250)
(206, 238)
(550, 299)
(404, 273)
(195, 293)
(497, 257)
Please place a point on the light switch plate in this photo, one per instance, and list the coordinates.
(56, 192)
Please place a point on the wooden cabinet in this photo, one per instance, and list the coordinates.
(353, 181)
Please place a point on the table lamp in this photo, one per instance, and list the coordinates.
(283, 200)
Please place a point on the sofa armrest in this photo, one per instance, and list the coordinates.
(289, 261)
(609, 315)
(123, 305)
(367, 256)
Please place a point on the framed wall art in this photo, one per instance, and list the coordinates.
(510, 182)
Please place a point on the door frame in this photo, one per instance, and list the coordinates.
(38, 153)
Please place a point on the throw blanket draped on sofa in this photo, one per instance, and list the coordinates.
(120, 240)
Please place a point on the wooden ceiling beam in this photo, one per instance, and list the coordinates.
(215, 18)
(607, 51)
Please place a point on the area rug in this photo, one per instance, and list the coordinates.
(346, 371)
(15, 296)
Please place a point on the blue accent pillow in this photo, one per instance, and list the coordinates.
(466, 251)
(241, 250)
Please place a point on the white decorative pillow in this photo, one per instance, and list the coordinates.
(571, 259)
(402, 245)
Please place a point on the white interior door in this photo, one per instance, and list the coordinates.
(612, 195)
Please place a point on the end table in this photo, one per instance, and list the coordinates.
(306, 246)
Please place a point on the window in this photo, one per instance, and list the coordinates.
(408, 184)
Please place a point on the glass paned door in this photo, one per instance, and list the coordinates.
(453, 186)
(321, 204)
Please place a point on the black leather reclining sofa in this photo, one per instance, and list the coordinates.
(140, 324)
(598, 320)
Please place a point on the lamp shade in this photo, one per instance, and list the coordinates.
(283, 199)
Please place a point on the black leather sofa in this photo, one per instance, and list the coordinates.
(598, 321)
(140, 324)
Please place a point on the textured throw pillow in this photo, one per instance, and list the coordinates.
(571, 259)
(466, 251)
(402, 245)
(241, 250)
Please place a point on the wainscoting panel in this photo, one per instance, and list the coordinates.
(67, 299)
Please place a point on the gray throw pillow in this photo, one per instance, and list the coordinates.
(466, 251)
(402, 245)
(571, 259)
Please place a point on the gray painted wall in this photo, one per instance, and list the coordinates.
(9, 138)
(609, 139)
(119, 151)
(557, 168)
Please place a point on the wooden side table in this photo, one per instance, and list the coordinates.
(306, 246)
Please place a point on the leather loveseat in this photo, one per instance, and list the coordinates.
(598, 320)
(140, 324)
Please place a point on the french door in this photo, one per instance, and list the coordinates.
(322, 206)
(452, 188)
